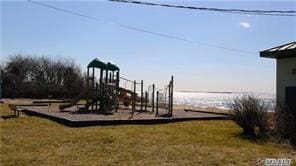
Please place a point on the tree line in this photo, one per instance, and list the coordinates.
(25, 76)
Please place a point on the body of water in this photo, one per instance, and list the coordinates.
(217, 100)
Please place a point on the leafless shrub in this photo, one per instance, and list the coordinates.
(285, 122)
(250, 113)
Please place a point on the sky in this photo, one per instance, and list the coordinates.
(29, 29)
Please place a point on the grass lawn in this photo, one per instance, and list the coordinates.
(29, 140)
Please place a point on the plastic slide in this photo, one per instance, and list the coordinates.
(75, 100)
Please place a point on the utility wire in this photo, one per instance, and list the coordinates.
(236, 11)
(140, 29)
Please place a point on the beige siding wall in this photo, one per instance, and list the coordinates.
(285, 77)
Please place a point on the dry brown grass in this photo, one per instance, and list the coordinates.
(35, 141)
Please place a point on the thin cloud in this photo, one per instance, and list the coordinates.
(245, 24)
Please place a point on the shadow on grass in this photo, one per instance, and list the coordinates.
(8, 117)
(260, 140)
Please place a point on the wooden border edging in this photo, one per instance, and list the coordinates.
(48, 101)
(16, 105)
(218, 113)
(71, 123)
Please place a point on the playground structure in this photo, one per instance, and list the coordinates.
(106, 91)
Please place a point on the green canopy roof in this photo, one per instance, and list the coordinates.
(112, 67)
(97, 63)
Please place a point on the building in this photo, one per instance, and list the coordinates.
(285, 56)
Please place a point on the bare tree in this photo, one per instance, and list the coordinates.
(32, 76)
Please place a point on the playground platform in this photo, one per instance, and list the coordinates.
(72, 118)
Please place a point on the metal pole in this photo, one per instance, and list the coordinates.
(110, 77)
(106, 76)
(87, 85)
(172, 94)
(142, 95)
(1, 86)
(106, 80)
(96, 97)
(110, 90)
(105, 90)
(157, 94)
(87, 78)
(93, 88)
(101, 90)
(169, 99)
(0, 89)
(134, 99)
(153, 93)
(112, 80)
(146, 100)
(117, 90)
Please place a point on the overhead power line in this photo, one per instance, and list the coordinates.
(140, 29)
(235, 11)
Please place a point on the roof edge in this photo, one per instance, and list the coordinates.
(278, 54)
